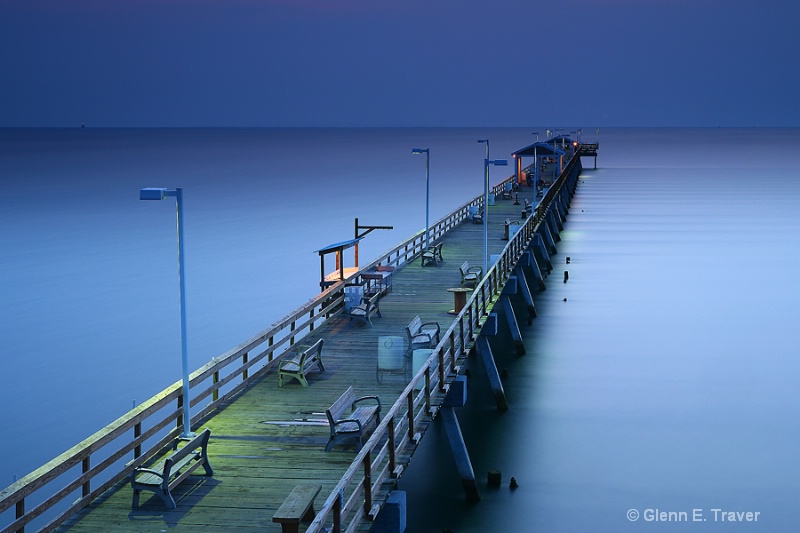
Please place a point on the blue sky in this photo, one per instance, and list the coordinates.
(357, 63)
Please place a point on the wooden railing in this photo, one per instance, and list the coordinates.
(357, 495)
(45, 498)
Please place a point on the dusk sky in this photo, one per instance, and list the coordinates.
(269, 63)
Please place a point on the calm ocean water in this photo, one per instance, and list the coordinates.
(88, 273)
(667, 380)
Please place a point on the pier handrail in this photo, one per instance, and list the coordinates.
(355, 497)
(109, 456)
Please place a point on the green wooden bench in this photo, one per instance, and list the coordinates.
(297, 507)
(350, 425)
(470, 274)
(432, 255)
(174, 469)
(422, 334)
(306, 358)
(368, 307)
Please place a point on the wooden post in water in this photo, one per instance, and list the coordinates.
(546, 234)
(457, 397)
(540, 251)
(511, 317)
(528, 262)
(525, 291)
(485, 351)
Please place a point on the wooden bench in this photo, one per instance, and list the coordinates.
(470, 274)
(477, 218)
(297, 507)
(526, 211)
(432, 254)
(350, 425)
(366, 308)
(422, 334)
(301, 363)
(174, 469)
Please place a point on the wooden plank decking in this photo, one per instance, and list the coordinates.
(269, 439)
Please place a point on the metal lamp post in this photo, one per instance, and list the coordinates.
(485, 205)
(486, 163)
(161, 194)
(427, 153)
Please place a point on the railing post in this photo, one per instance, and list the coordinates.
(441, 366)
(367, 463)
(20, 514)
(392, 452)
(179, 416)
(86, 466)
(428, 389)
(215, 380)
(410, 415)
(337, 513)
(137, 432)
(245, 359)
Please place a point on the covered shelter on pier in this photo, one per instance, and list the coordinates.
(536, 150)
(337, 248)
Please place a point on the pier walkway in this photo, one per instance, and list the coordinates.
(267, 439)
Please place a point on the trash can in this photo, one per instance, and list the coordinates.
(391, 355)
(418, 358)
(352, 296)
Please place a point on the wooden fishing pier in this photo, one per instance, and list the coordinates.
(267, 439)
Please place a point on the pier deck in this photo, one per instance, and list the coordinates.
(270, 438)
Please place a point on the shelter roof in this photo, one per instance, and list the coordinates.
(538, 149)
(337, 246)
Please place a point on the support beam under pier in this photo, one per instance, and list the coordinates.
(540, 252)
(460, 454)
(511, 317)
(485, 351)
(525, 291)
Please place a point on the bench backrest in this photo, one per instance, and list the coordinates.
(312, 351)
(413, 326)
(372, 301)
(199, 441)
(345, 402)
(464, 268)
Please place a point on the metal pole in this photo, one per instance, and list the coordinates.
(187, 426)
(486, 212)
(427, 197)
(427, 152)
(485, 208)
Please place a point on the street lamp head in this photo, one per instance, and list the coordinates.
(483, 140)
(152, 193)
(420, 150)
(499, 162)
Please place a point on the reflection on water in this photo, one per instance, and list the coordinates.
(661, 376)
(665, 380)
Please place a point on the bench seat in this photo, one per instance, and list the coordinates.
(422, 334)
(470, 274)
(297, 507)
(350, 426)
(163, 477)
(432, 255)
(307, 357)
(367, 308)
